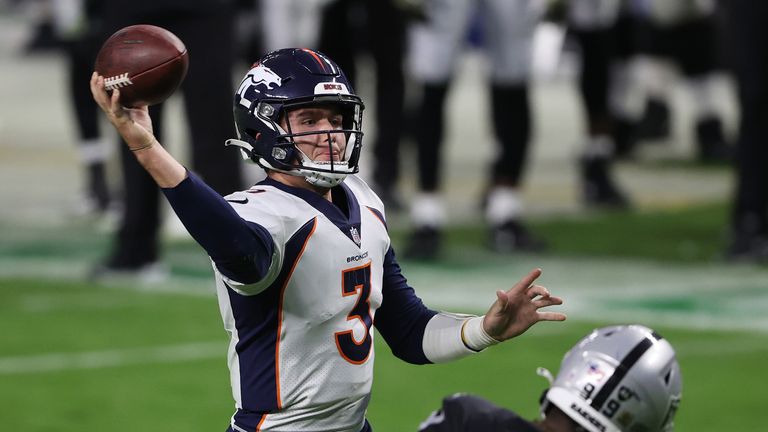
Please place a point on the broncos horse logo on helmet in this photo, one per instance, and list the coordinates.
(288, 79)
(259, 75)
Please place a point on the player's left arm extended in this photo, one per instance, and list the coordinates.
(420, 335)
(415, 333)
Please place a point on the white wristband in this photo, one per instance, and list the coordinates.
(442, 338)
(474, 336)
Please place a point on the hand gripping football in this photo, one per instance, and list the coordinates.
(145, 62)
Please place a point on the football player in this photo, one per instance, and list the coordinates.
(303, 262)
(615, 379)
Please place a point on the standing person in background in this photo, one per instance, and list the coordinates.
(77, 24)
(381, 27)
(747, 47)
(207, 29)
(303, 261)
(672, 36)
(615, 379)
(435, 47)
(44, 36)
(290, 23)
(596, 27)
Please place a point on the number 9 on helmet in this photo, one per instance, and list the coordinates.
(618, 379)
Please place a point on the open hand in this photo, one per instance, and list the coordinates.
(516, 310)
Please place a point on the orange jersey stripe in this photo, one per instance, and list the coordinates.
(280, 316)
(261, 422)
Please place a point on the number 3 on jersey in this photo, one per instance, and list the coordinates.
(356, 281)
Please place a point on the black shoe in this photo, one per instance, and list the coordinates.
(599, 188)
(624, 138)
(98, 190)
(655, 122)
(512, 236)
(748, 248)
(424, 243)
(750, 251)
(43, 39)
(711, 142)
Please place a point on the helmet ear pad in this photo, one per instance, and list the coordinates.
(270, 140)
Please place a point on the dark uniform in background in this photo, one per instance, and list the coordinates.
(206, 28)
(81, 46)
(378, 27)
(600, 31)
(685, 34)
(747, 49)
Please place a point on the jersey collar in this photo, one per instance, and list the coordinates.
(350, 226)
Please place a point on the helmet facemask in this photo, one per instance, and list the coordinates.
(285, 154)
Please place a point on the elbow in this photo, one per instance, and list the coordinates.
(410, 353)
(242, 269)
(415, 360)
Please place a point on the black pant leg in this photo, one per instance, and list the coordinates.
(387, 40)
(429, 136)
(511, 113)
(82, 55)
(747, 45)
(207, 92)
(597, 50)
(337, 38)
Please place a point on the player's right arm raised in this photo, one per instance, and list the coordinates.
(135, 126)
(210, 219)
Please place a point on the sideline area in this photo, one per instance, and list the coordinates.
(40, 180)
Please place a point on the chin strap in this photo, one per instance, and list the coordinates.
(246, 150)
(545, 373)
(327, 180)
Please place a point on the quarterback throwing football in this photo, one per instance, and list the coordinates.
(303, 262)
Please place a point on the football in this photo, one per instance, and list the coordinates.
(145, 62)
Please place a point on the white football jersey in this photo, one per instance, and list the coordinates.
(301, 350)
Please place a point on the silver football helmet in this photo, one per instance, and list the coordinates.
(618, 379)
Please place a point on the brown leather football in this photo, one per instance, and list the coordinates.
(145, 62)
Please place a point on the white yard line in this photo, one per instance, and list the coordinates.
(702, 296)
(57, 362)
(60, 362)
(688, 296)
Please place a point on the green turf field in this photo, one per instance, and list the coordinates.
(76, 356)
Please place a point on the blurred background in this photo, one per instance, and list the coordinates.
(598, 140)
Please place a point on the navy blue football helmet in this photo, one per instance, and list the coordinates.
(288, 79)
